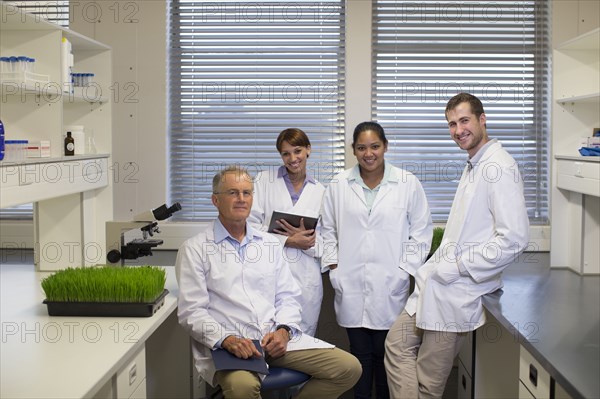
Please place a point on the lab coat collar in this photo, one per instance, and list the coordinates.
(282, 171)
(389, 174)
(355, 181)
(482, 151)
(221, 233)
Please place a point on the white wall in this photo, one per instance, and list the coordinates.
(136, 30)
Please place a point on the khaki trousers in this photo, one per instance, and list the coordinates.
(333, 372)
(418, 362)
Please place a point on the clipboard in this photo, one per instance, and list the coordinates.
(225, 360)
(309, 222)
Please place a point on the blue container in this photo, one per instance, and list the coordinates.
(1, 141)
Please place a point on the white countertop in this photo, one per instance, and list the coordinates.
(63, 357)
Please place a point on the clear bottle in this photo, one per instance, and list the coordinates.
(90, 143)
(4, 64)
(31, 65)
(69, 145)
(12, 64)
(22, 63)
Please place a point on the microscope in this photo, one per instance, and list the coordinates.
(116, 248)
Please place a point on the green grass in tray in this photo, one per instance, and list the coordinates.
(105, 284)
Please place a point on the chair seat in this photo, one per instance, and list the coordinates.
(279, 378)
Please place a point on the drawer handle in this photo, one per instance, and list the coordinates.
(578, 169)
(132, 374)
(464, 383)
(533, 374)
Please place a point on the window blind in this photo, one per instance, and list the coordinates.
(239, 73)
(58, 13)
(424, 53)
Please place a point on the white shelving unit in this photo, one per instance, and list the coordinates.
(576, 179)
(586, 98)
(72, 196)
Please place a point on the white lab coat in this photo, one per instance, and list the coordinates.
(271, 194)
(487, 229)
(375, 252)
(219, 295)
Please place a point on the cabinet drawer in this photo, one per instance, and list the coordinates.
(132, 375)
(579, 176)
(585, 169)
(524, 392)
(464, 390)
(140, 391)
(533, 375)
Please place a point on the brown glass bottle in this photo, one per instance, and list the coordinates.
(69, 144)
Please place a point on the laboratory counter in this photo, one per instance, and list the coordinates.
(80, 357)
(554, 314)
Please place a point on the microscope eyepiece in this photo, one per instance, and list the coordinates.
(174, 208)
(162, 212)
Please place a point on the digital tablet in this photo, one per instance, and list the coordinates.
(309, 222)
(225, 360)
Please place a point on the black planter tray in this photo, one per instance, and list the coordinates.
(110, 309)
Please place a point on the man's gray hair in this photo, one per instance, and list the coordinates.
(236, 169)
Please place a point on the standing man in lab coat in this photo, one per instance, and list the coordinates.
(234, 287)
(487, 229)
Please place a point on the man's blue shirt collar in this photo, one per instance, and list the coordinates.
(221, 233)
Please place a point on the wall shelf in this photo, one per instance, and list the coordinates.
(585, 98)
(9, 88)
(575, 231)
(587, 41)
(72, 196)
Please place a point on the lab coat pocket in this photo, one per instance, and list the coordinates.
(446, 272)
(394, 218)
(333, 278)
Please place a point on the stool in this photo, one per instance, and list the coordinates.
(279, 384)
(281, 381)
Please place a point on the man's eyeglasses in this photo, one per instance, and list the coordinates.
(236, 193)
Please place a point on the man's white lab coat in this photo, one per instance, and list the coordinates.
(221, 295)
(487, 229)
